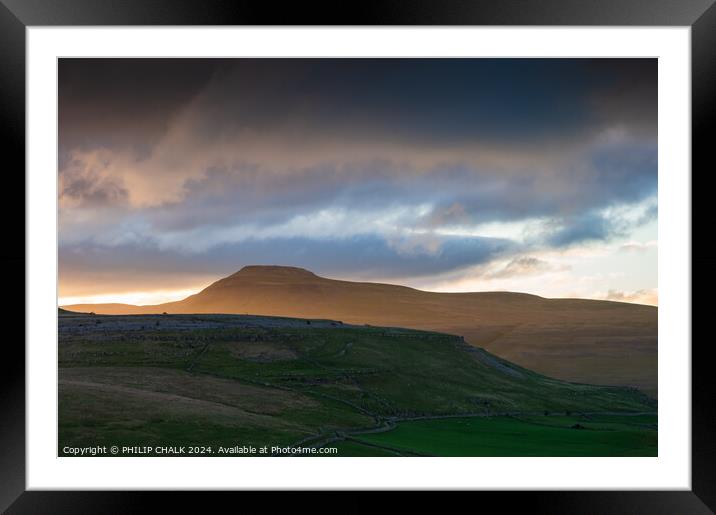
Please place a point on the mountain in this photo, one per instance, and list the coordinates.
(590, 341)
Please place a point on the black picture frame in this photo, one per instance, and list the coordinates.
(16, 15)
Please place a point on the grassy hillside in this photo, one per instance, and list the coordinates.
(581, 340)
(225, 380)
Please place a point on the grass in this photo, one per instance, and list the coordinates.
(504, 436)
(280, 385)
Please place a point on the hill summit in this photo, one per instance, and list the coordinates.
(273, 270)
(269, 272)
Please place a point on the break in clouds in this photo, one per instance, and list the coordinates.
(435, 173)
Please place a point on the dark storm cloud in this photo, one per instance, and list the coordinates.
(445, 100)
(157, 156)
(113, 101)
(626, 93)
(124, 102)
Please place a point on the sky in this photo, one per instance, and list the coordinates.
(530, 175)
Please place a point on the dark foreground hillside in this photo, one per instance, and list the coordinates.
(233, 382)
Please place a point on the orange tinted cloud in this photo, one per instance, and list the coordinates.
(649, 296)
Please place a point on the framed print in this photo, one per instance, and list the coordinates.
(445, 248)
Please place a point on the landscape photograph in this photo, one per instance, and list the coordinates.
(357, 257)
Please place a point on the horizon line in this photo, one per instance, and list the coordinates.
(178, 295)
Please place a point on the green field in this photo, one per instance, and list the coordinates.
(507, 436)
(226, 381)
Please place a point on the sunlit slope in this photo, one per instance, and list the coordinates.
(589, 341)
